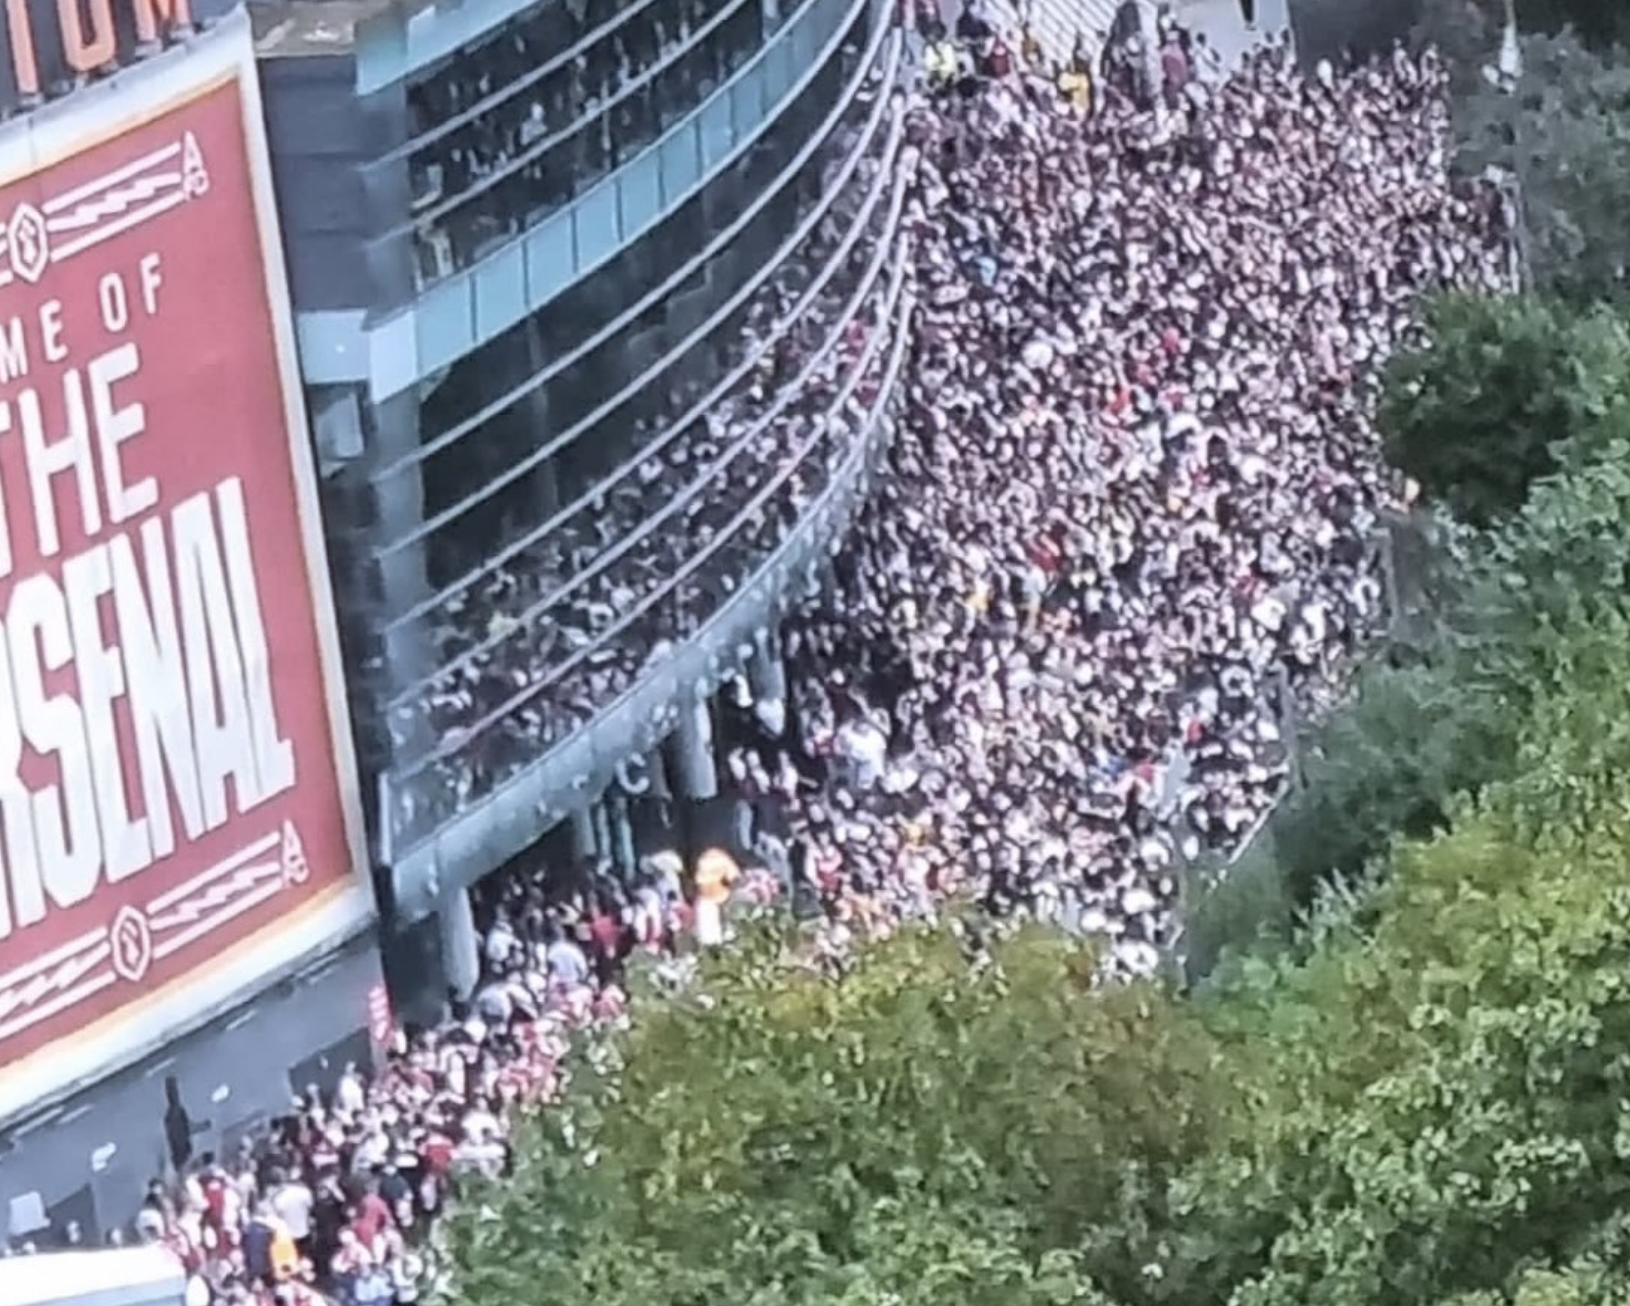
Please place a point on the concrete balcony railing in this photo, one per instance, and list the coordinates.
(545, 248)
(779, 497)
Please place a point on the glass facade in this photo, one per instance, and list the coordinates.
(510, 132)
(620, 488)
(514, 277)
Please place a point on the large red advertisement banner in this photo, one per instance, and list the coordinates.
(176, 787)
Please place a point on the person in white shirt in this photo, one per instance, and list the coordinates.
(291, 1202)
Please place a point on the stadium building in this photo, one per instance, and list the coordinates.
(410, 416)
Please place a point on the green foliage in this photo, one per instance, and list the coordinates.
(1471, 29)
(1459, 1072)
(1430, 1102)
(1245, 906)
(1561, 133)
(1481, 410)
(1414, 738)
(1425, 1099)
(916, 1131)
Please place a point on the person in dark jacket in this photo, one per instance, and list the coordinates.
(178, 1130)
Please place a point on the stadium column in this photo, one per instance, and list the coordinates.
(1149, 42)
(401, 577)
(620, 825)
(546, 477)
(460, 946)
(585, 835)
(693, 751)
(767, 675)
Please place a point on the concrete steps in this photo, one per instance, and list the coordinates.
(1056, 23)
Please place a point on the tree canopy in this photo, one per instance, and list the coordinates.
(1559, 135)
(1500, 386)
(1429, 1101)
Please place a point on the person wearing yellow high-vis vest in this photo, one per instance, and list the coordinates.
(1075, 79)
(940, 61)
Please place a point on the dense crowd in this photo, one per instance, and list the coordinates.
(1137, 478)
(717, 479)
(515, 129)
(1140, 483)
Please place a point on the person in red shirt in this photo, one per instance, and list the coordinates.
(215, 1188)
(373, 1215)
(437, 1153)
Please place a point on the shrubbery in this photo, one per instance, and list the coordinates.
(1425, 1104)
(1421, 1098)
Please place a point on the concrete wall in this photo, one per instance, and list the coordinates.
(1329, 29)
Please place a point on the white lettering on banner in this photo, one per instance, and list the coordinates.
(48, 459)
(13, 352)
(139, 673)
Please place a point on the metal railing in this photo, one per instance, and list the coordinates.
(652, 297)
(486, 830)
(1297, 721)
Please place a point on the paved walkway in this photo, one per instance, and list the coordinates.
(1224, 27)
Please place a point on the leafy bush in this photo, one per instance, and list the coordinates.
(1501, 387)
(1425, 1103)
(1559, 135)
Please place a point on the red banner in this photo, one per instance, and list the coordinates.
(170, 797)
(381, 1021)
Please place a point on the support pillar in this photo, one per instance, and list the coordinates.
(380, 572)
(585, 837)
(539, 429)
(398, 509)
(693, 751)
(656, 768)
(767, 675)
(621, 849)
(460, 946)
(1154, 78)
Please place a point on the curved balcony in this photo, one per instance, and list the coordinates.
(691, 578)
(521, 152)
(486, 831)
(552, 582)
(563, 409)
(537, 243)
(617, 440)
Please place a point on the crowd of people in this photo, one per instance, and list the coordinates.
(716, 481)
(1135, 482)
(511, 129)
(1140, 484)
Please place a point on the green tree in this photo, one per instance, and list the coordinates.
(1472, 29)
(1558, 136)
(1601, 26)
(920, 1131)
(1429, 1104)
(1455, 1073)
(1480, 410)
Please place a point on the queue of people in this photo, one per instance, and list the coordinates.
(716, 480)
(1136, 483)
(1139, 486)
